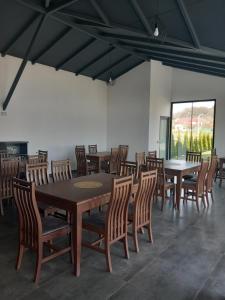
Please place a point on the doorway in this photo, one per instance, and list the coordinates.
(164, 137)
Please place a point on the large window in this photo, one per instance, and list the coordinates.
(192, 127)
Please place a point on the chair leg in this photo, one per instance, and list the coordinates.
(38, 263)
(108, 258)
(19, 257)
(1, 208)
(150, 236)
(135, 238)
(207, 197)
(203, 200)
(163, 200)
(212, 197)
(197, 204)
(126, 250)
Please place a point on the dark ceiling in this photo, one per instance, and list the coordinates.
(102, 38)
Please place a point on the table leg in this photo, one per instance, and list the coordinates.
(99, 165)
(178, 190)
(77, 240)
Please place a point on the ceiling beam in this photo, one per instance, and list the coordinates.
(47, 3)
(17, 36)
(112, 66)
(189, 23)
(60, 5)
(100, 12)
(24, 62)
(128, 69)
(72, 56)
(51, 45)
(138, 11)
(204, 71)
(94, 60)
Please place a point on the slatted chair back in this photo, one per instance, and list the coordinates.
(123, 152)
(43, 155)
(113, 162)
(80, 154)
(202, 177)
(128, 168)
(117, 213)
(152, 154)
(144, 198)
(157, 164)
(193, 156)
(30, 225)
(61, 170)
(37, 173)
(211, 172)
(9, 169)
(4, 154)
(92, 149)
(34, 159)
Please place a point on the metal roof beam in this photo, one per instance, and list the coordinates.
(52, 44)
(78, 51)
(100, 12)
(188, 23)
(94, 60)
(112, 66)
(60, 5)
(47, 3)
(137, 9)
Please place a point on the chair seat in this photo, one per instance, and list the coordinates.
(95, 222)
(51, 224)
(188, 183)
(189, 176)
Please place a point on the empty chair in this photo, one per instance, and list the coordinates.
(43, 155)
(193, 156)
(112, 225)
(34, 232)
(61, 170)
(123, 152)
(113, 164)
(128, 168)
(152, 154)
(163, 185)
(92, 149)
(210, 177)
(83, 168)
(9, 168)
(196, 188)
(34, 159)
(140, 160)
(140, 212)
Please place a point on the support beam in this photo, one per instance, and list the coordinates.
(128, 69)
(60, 5)
(78, 51)
(189, 23)
(24, 62)
(94, 60)
(17, 36)
(100, 12)
(112, 66)
(204, 71)
(47, 3)
(141, 16)
(51, 45)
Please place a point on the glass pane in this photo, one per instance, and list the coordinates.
(202, 127)
(181, 130)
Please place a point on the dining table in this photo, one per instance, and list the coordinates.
(178, 169)
(77, 196)
(98, 158)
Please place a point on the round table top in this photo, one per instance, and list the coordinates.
(88, 184)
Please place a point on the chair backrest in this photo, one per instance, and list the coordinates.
(61, 170)
(193, 156)
(4, 154)
(43, 155)
(143, 199)
(211, 172)
(128, 168)
(117, 213)
(157, 164)
(9, 168)
(140, 158)
(114, 160)
(35, 159)
(92, 149)
(202, 177)
(37, 173)
(81, 160)
(30, 225)
(152, 154)
(123, 152)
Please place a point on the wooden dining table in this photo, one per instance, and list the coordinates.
(179, 168)
(98, 158)
(77, 196)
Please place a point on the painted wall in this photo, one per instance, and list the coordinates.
(188, 85)
(128, 110)
(53, 110)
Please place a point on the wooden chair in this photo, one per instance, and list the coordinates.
(140, 160)
(9, 168)
(112, 226)
(83, 168)
(123, 152)
(193, 156)
(43, 155)
(112, 165)
(34, 232)
(38, 173)
(152, 154)
(196, 189)
(128, 168)
(92, 149)
(61, 170)
(34, 159)
(210, 178)
(140, 212)
(163, 185)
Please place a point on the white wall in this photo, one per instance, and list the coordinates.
(188, 85)
(128, 110)
(53, 110)
(160, 96)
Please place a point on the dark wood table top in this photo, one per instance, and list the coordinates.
(67, 190)
(99, 154)
(180, 165)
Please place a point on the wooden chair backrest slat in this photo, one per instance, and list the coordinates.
(92, 149)
(81, 160)
(123, 152)
(43, 155)
(211, 172)
(9, 168)
(202, 177)
(157, 164)
(37, 173)
(128, 168)
(114, 160)
(152, 154)
(61, 170)
(193, 156)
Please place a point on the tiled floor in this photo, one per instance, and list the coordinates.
(186, 261)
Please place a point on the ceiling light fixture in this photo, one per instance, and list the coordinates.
(156, 31)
